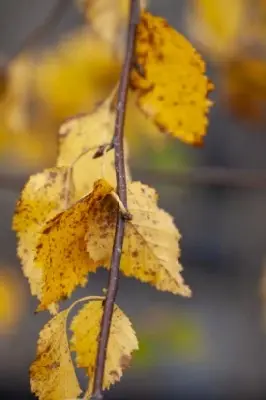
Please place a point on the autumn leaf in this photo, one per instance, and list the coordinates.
(172, 89)
(43, 196)
(52, 375)
(122, 342)
(150, 249)
(81, 134)
(61, 247)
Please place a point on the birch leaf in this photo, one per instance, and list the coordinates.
(43, 196)
(150, 250)
(52, 375)
(61, 247)
(173, 88)
(122, 342)
(82, 133)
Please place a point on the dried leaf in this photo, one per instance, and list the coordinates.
(150, 249)
(52, 374)
(173, 90)
(43, 196)
(61, 247)
(122, 342)
(88, 132)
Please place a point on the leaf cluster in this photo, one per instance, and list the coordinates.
(66, 216)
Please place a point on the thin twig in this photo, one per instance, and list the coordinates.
(122, 193)
(127, 216)
(104, 148)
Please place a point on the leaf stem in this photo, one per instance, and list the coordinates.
(122, 193)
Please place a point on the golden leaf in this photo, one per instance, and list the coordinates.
(122, 342)
(43, 196)
(61, 247)
(52, 374)
(174, 88)
(81, 134)
(150, 249)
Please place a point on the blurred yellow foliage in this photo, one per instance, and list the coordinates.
(233, 34)
(244, 88)
(217, 25)
(12, 300)
(42, 89)
(109, 19)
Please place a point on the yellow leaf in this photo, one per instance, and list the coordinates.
(173, 90)
(43, 196)
(122, 342)
(83, 133)
(88, 132)
(52, 374)
(150, 249)
(61, 248)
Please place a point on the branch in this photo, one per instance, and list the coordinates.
(247, 179)
(122, 193)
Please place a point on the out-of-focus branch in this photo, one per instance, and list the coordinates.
(201, 176)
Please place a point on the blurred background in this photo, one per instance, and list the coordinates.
(213, 345)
